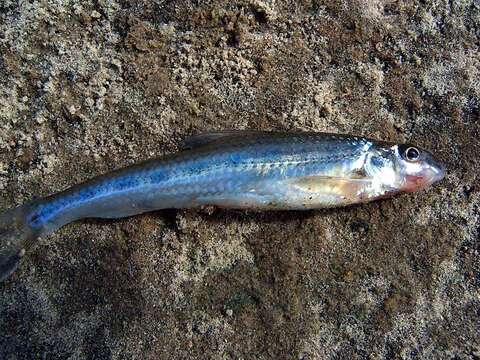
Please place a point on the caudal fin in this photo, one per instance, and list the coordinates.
(16, 238)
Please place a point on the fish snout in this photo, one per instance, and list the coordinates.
(437, 170)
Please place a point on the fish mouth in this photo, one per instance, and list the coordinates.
(432, 174)
(438, 171)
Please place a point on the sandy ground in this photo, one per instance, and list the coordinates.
(89, 86)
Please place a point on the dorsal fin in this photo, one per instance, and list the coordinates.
(214, 136)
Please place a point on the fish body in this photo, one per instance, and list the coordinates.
(250, 169)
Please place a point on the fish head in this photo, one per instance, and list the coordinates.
(416, 168)
(403, 168)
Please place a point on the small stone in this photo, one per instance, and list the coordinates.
(102, 91)
(229, 312)
(418, 60)
(95, 14)
(326, 109)
(72, 109)
(89, 102)
(40, 119)
(117, 63)
(3, 168)
(100, 104)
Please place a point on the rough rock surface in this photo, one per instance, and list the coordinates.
(89, 86)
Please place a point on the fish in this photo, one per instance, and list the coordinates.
(261, 170)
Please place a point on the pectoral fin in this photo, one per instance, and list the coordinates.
(345, 188)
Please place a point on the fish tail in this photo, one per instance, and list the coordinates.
(17, 237)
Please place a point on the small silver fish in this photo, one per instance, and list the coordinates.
(232, 169)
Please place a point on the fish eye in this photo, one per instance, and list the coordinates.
(411, 154)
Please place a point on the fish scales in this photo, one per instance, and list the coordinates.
(192, 171)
